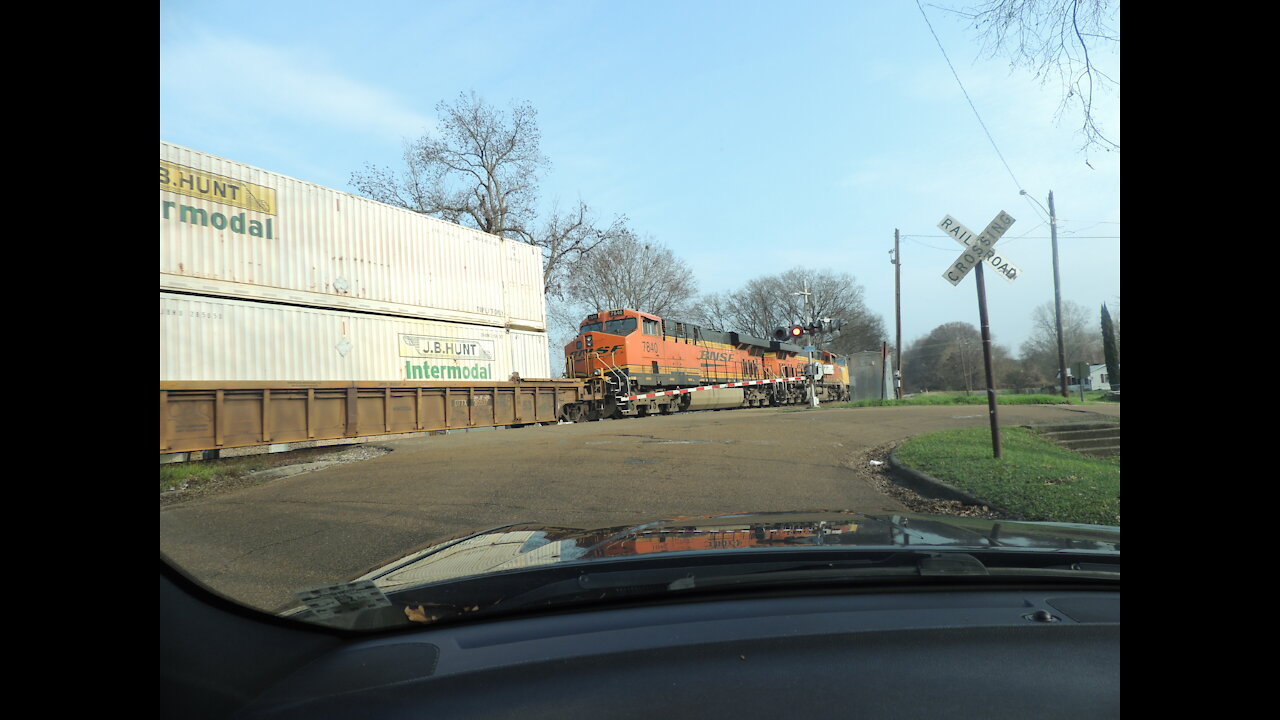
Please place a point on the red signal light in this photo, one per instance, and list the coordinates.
(797, 331)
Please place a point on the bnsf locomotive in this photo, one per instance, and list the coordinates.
(634, 364)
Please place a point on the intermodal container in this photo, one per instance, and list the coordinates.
(211, 339)
(231, 230)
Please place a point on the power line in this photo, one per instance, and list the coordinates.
(1026, 234)
(966, 96)
(915, 239)
(976, 114)
(1036, 237)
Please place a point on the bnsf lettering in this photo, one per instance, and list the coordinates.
(718, 356)
(596, 352)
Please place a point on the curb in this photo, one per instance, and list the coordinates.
(932, 487)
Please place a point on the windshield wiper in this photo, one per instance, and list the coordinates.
(899, 565)
(686, 578)
(624, 583)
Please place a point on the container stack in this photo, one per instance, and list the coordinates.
(264, 278)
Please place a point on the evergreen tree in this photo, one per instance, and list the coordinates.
(1109, 349)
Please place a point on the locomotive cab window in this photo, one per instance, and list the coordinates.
(625, 326)
(650, 327)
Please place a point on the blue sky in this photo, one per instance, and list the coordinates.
(748, 137)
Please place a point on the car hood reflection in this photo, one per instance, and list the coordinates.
(529, 545)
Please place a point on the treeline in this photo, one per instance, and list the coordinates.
(950, 356)
(647, 276)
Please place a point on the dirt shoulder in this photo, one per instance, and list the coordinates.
(872, 467)
(237, 473)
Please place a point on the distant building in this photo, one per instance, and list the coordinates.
(1097, 380)
(871, 379)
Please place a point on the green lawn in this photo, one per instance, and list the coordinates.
(1034, 480)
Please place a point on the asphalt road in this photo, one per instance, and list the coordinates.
(258, 545)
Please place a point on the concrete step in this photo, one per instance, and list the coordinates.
(1070, 435)
(1068, 427)
(1093, 439)
(1089, 443)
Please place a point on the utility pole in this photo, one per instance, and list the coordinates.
(897, 306)
(1057, 296)
(1057, 290)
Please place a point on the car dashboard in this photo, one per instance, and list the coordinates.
(953, 650)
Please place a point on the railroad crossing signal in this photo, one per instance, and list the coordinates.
(789, 333)
(821, 325)
(980, 248)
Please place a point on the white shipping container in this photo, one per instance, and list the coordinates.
(233, 230)
(228, 340)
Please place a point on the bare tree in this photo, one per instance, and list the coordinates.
(1020, 375)
(566, 239)
(1056, 39)
(1080, 339)
(625, 271)
(482, 171)
(765, 303)
(950, 358)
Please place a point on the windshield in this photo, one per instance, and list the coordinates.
(383, 227)
(625, 326)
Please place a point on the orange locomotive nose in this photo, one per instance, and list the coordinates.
(592, 351)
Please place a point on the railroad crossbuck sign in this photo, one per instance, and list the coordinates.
(978, 248)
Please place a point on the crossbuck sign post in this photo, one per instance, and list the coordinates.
(979, 249)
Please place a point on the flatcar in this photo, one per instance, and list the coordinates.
(635, 363)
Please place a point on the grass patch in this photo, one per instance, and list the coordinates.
(195, 475)
(1035, 480)
(180, 482)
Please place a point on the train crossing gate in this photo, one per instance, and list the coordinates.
(980, 249)
(699, 388)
